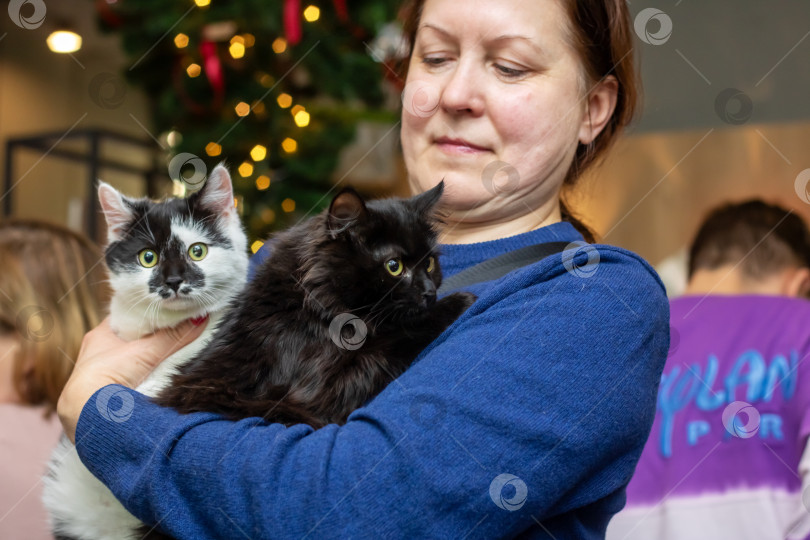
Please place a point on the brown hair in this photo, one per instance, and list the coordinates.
(762, 238)
(601, 31)
(52, 290)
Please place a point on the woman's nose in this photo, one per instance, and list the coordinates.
(462, 92)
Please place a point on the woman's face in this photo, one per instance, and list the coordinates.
(493, 104)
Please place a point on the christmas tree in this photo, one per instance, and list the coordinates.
(275, 89)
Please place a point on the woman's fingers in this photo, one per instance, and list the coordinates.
(105, 359)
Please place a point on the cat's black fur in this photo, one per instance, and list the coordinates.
(276, 357)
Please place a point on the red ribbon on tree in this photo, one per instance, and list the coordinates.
(292, 18)
(213, 68)
(341, 10)
(292, 21)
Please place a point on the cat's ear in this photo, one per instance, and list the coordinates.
(346, 209)
(117, 211)
(216, 194)
(424, 202)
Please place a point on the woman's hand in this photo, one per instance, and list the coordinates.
(105, 359)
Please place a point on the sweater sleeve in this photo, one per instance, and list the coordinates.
(536, 402)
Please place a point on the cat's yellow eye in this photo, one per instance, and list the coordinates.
(148, 258)
(431, 265)
(197, 252)
(394, 267)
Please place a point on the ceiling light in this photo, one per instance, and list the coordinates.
(64, 41)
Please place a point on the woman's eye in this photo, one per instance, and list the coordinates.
(197, 252)
(510, 72)
(434, 61)
(431, 264)
(394, 267)
(148, 258)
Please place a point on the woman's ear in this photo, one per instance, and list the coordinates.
(599, 106)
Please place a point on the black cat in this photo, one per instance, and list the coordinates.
(343, 306)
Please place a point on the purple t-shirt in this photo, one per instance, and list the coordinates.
(732, 418)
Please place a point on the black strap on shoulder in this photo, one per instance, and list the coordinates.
(501, 265)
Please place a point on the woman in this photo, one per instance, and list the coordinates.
(51, 293)
(527, 416)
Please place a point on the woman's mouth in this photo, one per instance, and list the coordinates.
(458, 146)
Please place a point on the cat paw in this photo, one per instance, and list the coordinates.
(466, 299)
(457, 303)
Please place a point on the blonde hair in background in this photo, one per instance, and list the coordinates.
(53, 290)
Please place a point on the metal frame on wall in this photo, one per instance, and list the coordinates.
(48, 144)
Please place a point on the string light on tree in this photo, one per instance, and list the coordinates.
(202, 3)
(246, 169)
(250, 40)
(279, 45)
(193, 70)
(284, 100)
(242, 108)
(213, 149)
(312, 13)
(174, 138)
(288, 205)
(237, 48)
(301, 119)
(265, 79)
(258, 153)
(181, 41)
(262, 182)
(268, 216)
(289, 145)
(256, 246)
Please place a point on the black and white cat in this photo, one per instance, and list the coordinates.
(168, 261)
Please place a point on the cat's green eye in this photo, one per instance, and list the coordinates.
(148, 258)
(197, 252)
(394, 267)
(431, 265)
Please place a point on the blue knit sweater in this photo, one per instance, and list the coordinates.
(524, 419)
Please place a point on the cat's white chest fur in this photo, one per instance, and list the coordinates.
(76, 500)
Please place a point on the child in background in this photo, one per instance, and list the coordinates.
(52, 290)
(727, 456)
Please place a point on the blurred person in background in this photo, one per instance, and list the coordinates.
(52, 291)
(727, 456)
